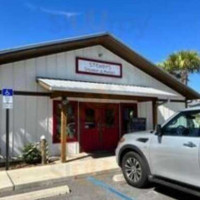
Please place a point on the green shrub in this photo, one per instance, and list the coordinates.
(31, 154)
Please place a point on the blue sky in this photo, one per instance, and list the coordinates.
(153, 28)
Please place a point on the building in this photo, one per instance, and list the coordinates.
(194, 103)
(109, 90)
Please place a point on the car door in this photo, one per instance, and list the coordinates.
(175, 154)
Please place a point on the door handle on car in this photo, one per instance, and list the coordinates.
(189, 144)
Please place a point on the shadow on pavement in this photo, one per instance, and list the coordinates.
(176, 194)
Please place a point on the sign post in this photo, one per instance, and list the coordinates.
(7, 104)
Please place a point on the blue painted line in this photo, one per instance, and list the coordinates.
(108, 188)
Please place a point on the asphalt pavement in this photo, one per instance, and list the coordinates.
(102, 187)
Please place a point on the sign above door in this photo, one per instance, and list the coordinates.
(98, 67)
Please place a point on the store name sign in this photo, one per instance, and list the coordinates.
(97, 67)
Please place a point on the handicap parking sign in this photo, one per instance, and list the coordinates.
(7, 98)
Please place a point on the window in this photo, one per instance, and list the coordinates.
(109, 118)
(71, 121)
(185, 124)
(89, 118)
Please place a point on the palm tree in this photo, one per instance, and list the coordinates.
(181, 64)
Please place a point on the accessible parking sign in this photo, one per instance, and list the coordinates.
(7, 98)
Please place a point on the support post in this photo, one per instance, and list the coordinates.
(155, 113)
(63, 129)
(186, 103)
(7, 139)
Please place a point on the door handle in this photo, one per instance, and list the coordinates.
(190, 145)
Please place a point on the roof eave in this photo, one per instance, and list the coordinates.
(109, 42)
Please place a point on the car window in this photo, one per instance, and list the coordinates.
(185, 124)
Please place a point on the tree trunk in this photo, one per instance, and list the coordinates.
(184, 77)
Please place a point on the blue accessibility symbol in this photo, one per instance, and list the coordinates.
(7, 92)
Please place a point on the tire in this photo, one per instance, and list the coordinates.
(134, 170)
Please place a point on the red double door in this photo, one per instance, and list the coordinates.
(99, 126)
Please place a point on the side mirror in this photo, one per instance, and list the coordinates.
(159, 130)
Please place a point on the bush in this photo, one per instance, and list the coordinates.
(31, 154)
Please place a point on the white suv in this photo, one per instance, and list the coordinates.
(170, 155)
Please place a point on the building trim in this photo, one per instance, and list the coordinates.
(30, 93)
(120, 97)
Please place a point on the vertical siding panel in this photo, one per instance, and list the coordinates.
(51, 66)
(61, 66)
(11, 130)
(31, 119)
(41, 66)
(41, 70)
(30, 78)
(78, 53)
(91, 52)
(7, 76)
(42, 115)
(70, 62)
(19, 74)
(19, 110)
(19, 123)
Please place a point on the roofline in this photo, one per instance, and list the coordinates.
(53, 42)
(108, 41)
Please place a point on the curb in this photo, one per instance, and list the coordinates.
(51, 182)
(7, 182)
(47, 183)
(39, 194)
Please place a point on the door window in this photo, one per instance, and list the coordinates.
(89, 118)
(185, 124)
(109, 118)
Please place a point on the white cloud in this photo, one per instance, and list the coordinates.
(52, 12)
(61, 13)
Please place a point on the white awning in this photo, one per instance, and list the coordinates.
(103, 88)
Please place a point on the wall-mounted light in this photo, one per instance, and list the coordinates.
(65, 101)
(100, 55)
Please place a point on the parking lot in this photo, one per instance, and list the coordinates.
(102, 187)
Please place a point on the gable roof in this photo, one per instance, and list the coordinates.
(109, 42)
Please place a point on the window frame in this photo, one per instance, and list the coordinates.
(55, 140)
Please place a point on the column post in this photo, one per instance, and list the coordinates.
(155, 113)
(63, 129)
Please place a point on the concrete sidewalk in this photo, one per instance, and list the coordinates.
(34, 177)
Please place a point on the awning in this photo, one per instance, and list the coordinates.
(58, 85)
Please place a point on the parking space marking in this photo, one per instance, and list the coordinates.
(108, 188)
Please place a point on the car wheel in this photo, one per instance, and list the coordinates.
(134, 170)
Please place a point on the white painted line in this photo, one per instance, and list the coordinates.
(118, 178)
(39, 194)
